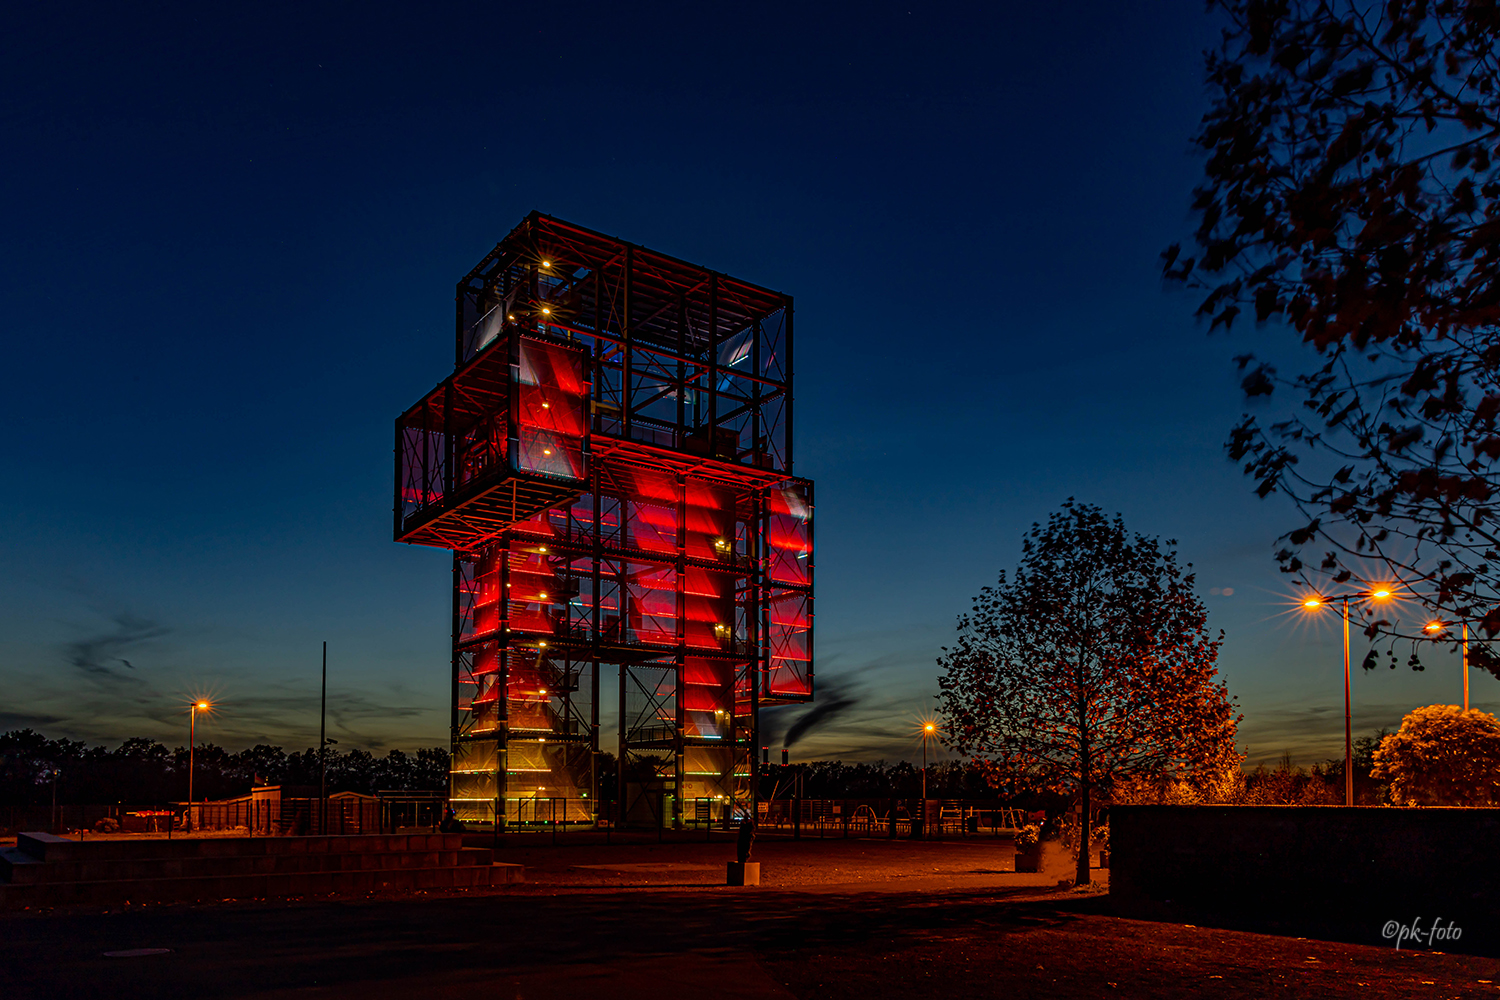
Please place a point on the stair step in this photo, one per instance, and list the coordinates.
(182, 889)
(47, 847)
(17, 868)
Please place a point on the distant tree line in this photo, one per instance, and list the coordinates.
(143, 771)
(1284, 784)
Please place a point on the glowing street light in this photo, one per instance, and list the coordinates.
(1436, 628)
(1313, 603)
(193, 710)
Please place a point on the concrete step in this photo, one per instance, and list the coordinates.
(47, 847)
(254, 886)
(18, 868)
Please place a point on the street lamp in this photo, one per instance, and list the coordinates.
(1315, 603)
(927, 730)
(1434, 628)
(193, 710)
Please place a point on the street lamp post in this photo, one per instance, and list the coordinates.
(927, 730)
(1436, 627)
(193, 710)
(1312, 604)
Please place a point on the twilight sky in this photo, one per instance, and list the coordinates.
(230, 243)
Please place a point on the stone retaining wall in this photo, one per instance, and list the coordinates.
(1347, 872)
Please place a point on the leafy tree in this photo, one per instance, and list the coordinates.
(1352, 192)
(1092, 662)
(1442, 756)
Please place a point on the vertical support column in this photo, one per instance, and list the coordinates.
(502, 679)
(789, 356)
(812, 613)
(757, 418)
(678, 746)
(622, 795)
(458, 324)
(400, 468)
(448, 450)
(457, 665)
(761, 629)
(626, 358)
(713, 365)
(680, 436)
(502, 743)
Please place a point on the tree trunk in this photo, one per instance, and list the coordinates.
(1085, 768)
(1083, 825)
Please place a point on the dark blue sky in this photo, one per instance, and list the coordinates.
(231, 237)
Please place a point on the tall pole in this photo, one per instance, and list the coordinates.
(924, 773)
(192, 744)
(1348, 731)
(323, 744)
(1466, 665)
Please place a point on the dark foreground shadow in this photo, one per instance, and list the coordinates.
(235, 950)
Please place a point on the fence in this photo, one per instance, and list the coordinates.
(347, 813)
(889, 818)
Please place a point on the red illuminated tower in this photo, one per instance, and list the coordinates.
(611, 464)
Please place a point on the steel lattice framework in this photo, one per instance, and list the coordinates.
(611, 464)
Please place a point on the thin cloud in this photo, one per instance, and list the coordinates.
(100, 657)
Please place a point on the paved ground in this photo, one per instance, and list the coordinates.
(861, 919)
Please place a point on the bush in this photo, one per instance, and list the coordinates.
(1028, 837)
(107, 825)
(1442, 756)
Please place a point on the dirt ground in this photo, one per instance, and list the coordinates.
(872, 920)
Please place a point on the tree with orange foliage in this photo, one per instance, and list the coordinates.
(1091, 663)
(1442, 756)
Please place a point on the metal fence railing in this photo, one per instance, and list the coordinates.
(889, 817)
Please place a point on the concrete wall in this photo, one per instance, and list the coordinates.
(1346, 872)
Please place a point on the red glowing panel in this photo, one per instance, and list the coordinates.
(656, 602)
(789, 610)
(652, 577)
(696, 670)
(647, 486)
(790, 646)
(788, 680)
(537, 524)
(549, 410)
(548, 453)
(529, 618)
(707, 583)
(703, 495)
(551, 365)
(697, 699)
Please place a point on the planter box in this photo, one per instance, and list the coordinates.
(1029, 861)
(744, 874)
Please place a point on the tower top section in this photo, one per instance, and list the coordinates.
(578, 355)
(553, 274)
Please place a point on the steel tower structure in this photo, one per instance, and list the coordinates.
(611, 464)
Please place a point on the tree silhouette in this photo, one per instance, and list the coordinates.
(1352, 193)
(1091, 662)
